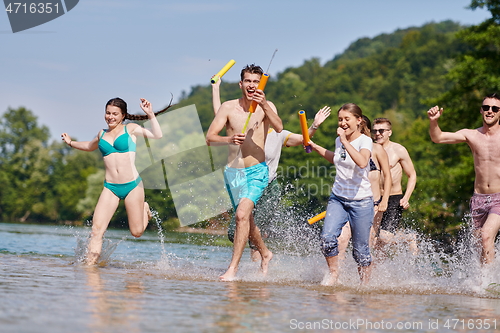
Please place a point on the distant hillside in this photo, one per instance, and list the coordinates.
(389, 73)
(365, 47)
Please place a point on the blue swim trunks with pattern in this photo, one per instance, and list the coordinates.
(246, 182)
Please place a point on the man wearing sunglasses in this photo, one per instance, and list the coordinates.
(483, 141)
(399, 162)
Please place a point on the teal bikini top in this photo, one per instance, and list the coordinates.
(122, 144)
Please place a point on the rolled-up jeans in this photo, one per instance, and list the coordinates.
(359, 213)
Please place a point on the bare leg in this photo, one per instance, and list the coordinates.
(104, 210)
(147, 214)
(384, 239)
(488, 233)
(333, 274)
(411, 239)
(375, 228)
(256, 239)
(137, 211)
(365, 273)
(255, 255)
(343, 240)
(243, 213)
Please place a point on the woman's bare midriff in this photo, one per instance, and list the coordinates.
(120, 168)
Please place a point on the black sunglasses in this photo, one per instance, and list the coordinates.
(343, 154)
(380, 131)
(493, 108)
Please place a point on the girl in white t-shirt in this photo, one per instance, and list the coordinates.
(351, 198)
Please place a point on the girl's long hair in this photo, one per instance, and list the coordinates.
(122, 105)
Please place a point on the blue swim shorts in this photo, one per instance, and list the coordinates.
(246, 182)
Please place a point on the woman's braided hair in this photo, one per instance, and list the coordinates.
(122, 105)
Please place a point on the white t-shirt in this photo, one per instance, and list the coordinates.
(272, 150)
(351, 182)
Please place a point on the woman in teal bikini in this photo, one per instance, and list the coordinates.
(122, 181)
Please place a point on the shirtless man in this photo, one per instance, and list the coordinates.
(246, 174)
(399, 161)
(483, 142)
(269, 202)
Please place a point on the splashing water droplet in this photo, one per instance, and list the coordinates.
(164, 263)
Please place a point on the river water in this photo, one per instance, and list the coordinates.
(167, 282)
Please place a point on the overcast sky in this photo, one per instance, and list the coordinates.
(67, 69)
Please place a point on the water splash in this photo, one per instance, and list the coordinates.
(164, 262)
(108, 247)
(398, 269)
(434, 269)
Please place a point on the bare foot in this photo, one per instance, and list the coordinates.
(149, 215)
(255, 255)
(264, 264)
(92, 258)
(230, 275)
(148, 210)
(330, 279)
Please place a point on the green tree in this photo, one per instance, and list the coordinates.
(24, 163)
(41, 181)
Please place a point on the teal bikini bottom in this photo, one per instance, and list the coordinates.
(122, 190)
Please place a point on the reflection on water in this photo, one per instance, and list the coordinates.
(171, 286)
(243, 304)
(113, 304)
